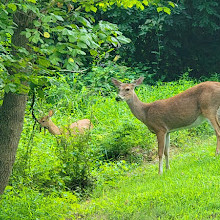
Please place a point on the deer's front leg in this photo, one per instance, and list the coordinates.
(166, 151)
(161, 136)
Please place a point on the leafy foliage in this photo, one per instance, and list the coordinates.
(35, 205)
(76, 162)
(64, 36)
(61, 36)
(168, 45)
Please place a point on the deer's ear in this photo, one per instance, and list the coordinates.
(50, 113)
(116, 82)
(138, 81)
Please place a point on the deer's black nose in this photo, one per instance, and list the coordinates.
(118, 99)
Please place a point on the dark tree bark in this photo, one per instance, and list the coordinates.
(11, 123)
(12, 110)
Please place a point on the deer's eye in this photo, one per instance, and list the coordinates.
(127, 89)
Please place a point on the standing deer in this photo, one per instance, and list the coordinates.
(185, 110)
(78, 127)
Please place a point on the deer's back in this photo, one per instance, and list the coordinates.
(184, 109)
(81, 125)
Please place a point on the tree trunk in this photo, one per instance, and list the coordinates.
(12, 110)
(11, 123)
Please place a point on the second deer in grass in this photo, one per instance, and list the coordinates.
(78, 127)
(185, 110)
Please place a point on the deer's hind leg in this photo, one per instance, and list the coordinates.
(214, 119)
(217, 118)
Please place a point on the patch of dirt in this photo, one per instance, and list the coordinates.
(150, 156)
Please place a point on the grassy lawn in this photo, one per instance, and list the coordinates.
(190, 190)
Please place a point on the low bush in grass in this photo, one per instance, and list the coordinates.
(76, 160)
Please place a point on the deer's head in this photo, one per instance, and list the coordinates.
(46, 121)
(126, 90)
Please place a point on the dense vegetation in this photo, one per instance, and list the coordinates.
(167, 45)
(57, 173)
(61, 55)
(42, 39)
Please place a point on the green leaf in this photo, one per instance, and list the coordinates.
(167, 10)
(12, 6)
(46, 18)
(72, 66)
(58, 17)
(77, 51)
(44, 62)
(72, 38)
(159, 9)
(35, 38)
(40, 93)
(9, 30)
(139, 5)
(33, 1)
(23, 50)
(10, 87)
(93, 52)
(81, 45)
(37, 23)
(28, 34)
(123, 40)
(172, 4)
(113, 40)
(84, 21)
(54, 59)
(93, 8)
(86, 39)
(65, 31)
(145, 2)
(102, 36)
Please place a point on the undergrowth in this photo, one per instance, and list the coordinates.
(108, 167)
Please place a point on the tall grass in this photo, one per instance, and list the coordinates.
(108, 164)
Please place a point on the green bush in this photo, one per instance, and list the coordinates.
(121, 142)
(76, 162)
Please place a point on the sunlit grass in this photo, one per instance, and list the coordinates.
(190, 190)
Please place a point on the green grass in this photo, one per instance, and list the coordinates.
(190, 190)
(28, 204)
(114, 159)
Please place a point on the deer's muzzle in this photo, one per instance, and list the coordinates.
(118, 98)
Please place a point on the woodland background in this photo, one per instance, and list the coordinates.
(61, 55)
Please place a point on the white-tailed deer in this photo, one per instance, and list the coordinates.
(185, 110)
(78, 127)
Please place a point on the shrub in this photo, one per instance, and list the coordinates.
(119, 144)
(75, 156)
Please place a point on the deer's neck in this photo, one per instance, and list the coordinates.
(53, 129)
(137, 107)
